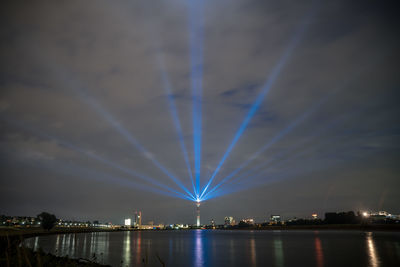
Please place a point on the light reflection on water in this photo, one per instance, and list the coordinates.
(126, 255)
(35, 246)
(84, 245)
(138, 247)
(373, 255)
(198, 249)
(202, 248)
(278, 251)
(253, 252)
(232, 251)
(319, 254)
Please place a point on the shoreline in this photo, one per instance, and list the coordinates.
(18, 234)
(21, 232)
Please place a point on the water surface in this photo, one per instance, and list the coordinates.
(201, 248)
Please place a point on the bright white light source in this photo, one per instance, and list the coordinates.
(128, 222)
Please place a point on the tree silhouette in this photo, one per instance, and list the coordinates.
(47, 220)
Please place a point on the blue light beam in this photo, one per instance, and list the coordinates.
(177, 123)
(293, 156)
(91, 155)
(129, 137)
(87, 98)
(311, 168)
(301, 118)
(264, 91)
(196, 35)
(156, 44)
(276, 138)
(75, 170)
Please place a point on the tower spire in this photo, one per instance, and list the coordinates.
(198, 213)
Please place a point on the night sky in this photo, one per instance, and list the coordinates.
(94, 94)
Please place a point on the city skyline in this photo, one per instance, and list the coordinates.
(274, 108)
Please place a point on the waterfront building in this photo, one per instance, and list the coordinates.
(248, 221)
(128, 222)
(229, 221)
(275, 219)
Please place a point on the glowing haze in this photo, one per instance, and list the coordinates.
(252, 107)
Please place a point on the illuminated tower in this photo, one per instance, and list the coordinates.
(138, 219)
(198, 213)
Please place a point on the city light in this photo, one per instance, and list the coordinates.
(127, 222)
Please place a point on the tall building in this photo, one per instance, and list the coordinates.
(198, 214)
(138, 219)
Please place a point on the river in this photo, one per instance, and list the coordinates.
(203, 248)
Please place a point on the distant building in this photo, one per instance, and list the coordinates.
(229, 221)
(137, 219)
(314, 216)
(275, 219)
(151, 226)
(380, 215)
(128, 222)
(248, 221)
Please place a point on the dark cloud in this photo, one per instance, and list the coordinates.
(57, 56)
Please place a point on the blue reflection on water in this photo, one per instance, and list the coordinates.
(198, 249)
